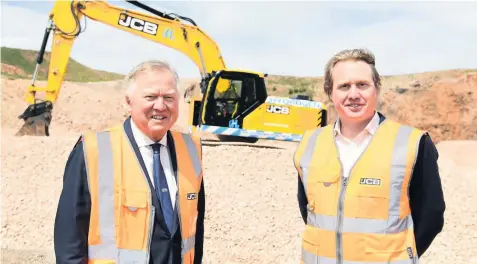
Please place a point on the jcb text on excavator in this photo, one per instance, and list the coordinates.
(232, 100)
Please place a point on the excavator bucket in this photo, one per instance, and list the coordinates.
(37, 119)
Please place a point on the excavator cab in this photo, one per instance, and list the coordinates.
(235, 107)
(230, 96)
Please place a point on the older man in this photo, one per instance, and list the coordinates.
(369, 189)
(134, 192)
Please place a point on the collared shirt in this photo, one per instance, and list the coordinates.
(351, 149)
(144, 145)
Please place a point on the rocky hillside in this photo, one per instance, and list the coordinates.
(442, 102)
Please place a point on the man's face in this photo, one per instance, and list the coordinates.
(354, 95)
(154, 103)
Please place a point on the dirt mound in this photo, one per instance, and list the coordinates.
(10, 69)
(447, 109)
(252, 212)
(72, 112)
(80, 106)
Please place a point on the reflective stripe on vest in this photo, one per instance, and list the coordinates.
(185, 141)
(308, 257)
(122, 215)
(340, 223)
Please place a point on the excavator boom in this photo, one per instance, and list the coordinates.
(64, 22)
(234, 102)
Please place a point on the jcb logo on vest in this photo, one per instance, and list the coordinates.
(191, 196)
(370, 181)
(138, 24)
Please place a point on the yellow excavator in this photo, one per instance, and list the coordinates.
(234, 102)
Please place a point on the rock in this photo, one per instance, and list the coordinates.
(401, 90)
(415, 84)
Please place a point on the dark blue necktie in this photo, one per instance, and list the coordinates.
(161, 187)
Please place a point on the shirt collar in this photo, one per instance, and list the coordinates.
(370, 128)
(142, 140)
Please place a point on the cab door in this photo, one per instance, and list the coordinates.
(230, 96)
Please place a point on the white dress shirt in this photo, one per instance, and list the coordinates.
(144, 142)
(351, 149)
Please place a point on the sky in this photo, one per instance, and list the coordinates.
(276, 37)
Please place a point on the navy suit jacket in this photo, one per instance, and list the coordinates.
(73, 214)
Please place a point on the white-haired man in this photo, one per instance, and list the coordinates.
(134, 193)
(369, 189)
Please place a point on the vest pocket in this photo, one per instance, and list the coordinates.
(388, 247)
(366, 200)
(390, 255)
(369, 206)
(310, 246)
(324, 188)
(133, 219)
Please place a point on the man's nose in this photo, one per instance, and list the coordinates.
(353, 92)
(159, 104)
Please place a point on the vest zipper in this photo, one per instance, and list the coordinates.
(344, 185)
(339, 235)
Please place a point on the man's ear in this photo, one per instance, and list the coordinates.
(127, 103)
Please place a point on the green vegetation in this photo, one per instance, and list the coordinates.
(470, 71)
(289, 86)
(20, 64)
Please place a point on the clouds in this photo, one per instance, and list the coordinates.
(99, 47)
(425, 36)
(292, 38)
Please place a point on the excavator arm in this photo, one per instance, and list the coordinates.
(64, 23)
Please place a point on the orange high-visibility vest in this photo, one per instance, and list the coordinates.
(122, 215)
(365, 218)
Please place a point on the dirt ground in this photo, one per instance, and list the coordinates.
(252, 212)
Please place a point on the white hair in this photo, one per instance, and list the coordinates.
(147, 66)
